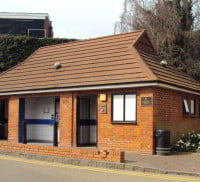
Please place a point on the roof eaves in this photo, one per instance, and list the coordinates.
(104, 87)
(178, 88)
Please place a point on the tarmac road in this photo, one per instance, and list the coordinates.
(24, 170)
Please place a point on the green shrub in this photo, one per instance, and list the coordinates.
(188, 143)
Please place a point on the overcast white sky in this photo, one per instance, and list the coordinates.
(72, 18)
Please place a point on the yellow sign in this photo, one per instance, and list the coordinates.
(102, 97)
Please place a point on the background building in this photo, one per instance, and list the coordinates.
(30, 24)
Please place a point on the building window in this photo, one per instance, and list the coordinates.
(124, 108)
(192, 107)
(185, 106)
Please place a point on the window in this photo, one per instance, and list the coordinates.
(124, 108)
(193, 107)
(185, 106)
(190, 107)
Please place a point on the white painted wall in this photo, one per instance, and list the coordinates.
(40, 132)
(39, 107)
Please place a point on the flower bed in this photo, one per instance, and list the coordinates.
(188, 143)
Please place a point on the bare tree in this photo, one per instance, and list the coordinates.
(171, 24)
(158, 17)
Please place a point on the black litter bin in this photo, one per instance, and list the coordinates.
(162, 142)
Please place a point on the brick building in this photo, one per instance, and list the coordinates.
(30, 24)
(109, 94)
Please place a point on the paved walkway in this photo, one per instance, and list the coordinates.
(179, 162)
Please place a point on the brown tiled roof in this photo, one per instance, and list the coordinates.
(169, 74)
(102, 61)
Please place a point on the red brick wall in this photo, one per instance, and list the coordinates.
(48, 27)
(66, 119)
(168, 113)
(129, 137)
(164, 113)
(13, 119)
(93, 154)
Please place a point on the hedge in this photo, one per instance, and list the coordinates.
(14, 49)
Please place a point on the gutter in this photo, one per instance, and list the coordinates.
(102, 87)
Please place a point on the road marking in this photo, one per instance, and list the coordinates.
(113, 171)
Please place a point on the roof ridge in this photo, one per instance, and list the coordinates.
(139, 37)
(143, 32)
(152, 75)
(96, 38)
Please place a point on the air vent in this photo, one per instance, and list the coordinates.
(57, 65)
(163, 63)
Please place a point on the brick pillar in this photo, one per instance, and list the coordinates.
(145, 121)
(66, 119)
(13, 119)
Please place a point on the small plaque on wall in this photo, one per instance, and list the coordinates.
(103, 108)
(146, 101)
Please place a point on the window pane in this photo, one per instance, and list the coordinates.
(192, 107)
(118, 107)
(186, 106)
(130, 107)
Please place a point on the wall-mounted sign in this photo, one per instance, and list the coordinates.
(103, 108)
(146, 101)
(103, 97)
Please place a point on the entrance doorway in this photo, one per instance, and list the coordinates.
(87, 120)
(3, 119)
(37, 121)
